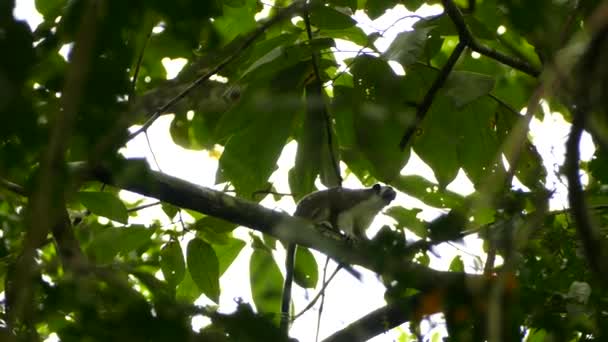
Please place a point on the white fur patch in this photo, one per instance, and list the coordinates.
(357, 219)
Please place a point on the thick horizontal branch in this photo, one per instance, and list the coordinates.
(380, 320)
(135, 176)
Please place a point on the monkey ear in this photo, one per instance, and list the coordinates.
(377, 187)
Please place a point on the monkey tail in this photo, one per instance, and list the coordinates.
(286, 299)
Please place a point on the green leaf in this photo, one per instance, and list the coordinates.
(413, 5)
(284, 56)
(50, 8)
(214, 230)
(423, 259)
(598, 166)
(114, 240)
(406, 218)
(204, 268)
(530, 170)
(463, 87)
(354, 34)
(172, 262)
(376, 8)
(380, 117)
(314, 154)
(478, 149)
(234, 3)
(187, 291)
(238, 19)
(227, 252)
(456, 265)
(437, 139)
(169, 210)
(352, 4)
(428, 192)
(408, 47)
(328, 18)
(250, 156)
(104, 204)
(266, 282)
(448, 227)
(305, 272)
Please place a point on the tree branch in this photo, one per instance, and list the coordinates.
(424, 107)
(283, 14)
(380, 320)
(318, 90)
(465, 35)
(586, 228)
(137, 177)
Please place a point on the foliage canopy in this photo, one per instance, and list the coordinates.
(251, 85)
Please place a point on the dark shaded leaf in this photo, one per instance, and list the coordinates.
(113, 240)
(328, 18)
(227, 252)
(266, 282)
(380, 117)
(428, 192)
(250, 156)
(406, 219)
(203, 266)
(464, 87)
(457, 265)
(305, 272)
(408, 47)
(104, 204)
(187, 291)
(172, 262)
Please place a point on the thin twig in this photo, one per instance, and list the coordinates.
(283, 14)
(464, 34)
(16, 188)
(424, 107)
(319, 294)
(318, 86)
(144, 206)
(140, 58)
(46, 210)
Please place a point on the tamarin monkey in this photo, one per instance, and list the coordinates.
(348, 210)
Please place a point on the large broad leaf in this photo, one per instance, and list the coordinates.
(266, 282)
(530, 170)
(437, 139)
(325, 17)
(479, 148)
(214, 230)
(428, 192)
(464, 87)
(598, 166)
(456, 265)
(113, 240)
(237, 20)
(376, 8)
(305, 272)
(250, 156)
(104, 204)
(380, 116)
(283, 57)
(354, 34)
(408, 47)
(406, 218)
(204, 268)
(314, 154)
(172, 262)
(227, 252)
(187, 291)
(352, 4)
